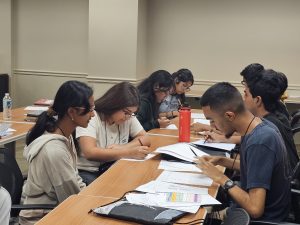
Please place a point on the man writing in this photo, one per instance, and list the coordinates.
(265, 190)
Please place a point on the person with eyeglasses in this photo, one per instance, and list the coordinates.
(113, 133)
(50, 150)
(154, 90)
(183, 80)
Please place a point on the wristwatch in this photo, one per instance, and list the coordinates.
(228, 184)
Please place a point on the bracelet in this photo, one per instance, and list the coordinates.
(140, 142)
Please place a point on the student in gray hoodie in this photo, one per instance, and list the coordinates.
(50, 150)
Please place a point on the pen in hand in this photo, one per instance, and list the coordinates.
(206, 139)
(193, 152)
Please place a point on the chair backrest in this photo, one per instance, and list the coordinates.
(11, 177)
(295, 118)
(237, 216)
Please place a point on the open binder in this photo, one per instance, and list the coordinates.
(142, 214)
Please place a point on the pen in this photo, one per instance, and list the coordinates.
(205, 140)
(179, 102)
(193, 152)
(140, 142)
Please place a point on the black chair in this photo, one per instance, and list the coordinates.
(11, 179)
(295, 118)
(237, 216)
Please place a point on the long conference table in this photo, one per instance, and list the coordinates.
(17, 123)
(122, 176)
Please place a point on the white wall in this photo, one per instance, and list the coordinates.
(216, 39)
(5, 38)
(113, 38)
(50, 46)
(107, 41)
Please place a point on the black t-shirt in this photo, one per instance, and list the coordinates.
(285, 130)
(263, 165)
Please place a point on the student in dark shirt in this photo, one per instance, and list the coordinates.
(265, 188)
(262, 97)
(249, 74)
(153, 90)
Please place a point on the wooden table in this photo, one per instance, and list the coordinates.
(74, 211)
(122, 177)
(17, 123)
(125, 176)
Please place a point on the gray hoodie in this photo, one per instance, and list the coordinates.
(52, 175)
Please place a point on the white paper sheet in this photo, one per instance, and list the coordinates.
(225, 146)
(197, 116)
(150, 199)
(203, 121)
(171, 187)
(171, 127)
(41, 108)
(178, 166)
(158, 186)
(185, 178)
(182, 151)
(154, 200)
(149, 156)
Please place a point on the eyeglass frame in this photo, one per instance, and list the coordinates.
(185, 88)
(128, 114)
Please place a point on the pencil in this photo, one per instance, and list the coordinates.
(179, 102)
(193, 152)
(205, 140)
(140, 142)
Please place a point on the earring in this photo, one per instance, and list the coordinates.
(72, 119)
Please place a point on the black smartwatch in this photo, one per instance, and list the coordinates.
(228, 184)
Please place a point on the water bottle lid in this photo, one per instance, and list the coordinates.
(6, 94)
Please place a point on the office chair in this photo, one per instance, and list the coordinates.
(237, 216)
(11, 179)
(295, 118)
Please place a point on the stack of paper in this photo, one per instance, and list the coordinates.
(222, 146)
(203, 121)
(181, 151)
(185, 178)
(5, 129)
(178, 166)
(173, 196)
(197, 116)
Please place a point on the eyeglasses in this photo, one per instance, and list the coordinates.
(90, 110)
(185, 88)
(128, 114)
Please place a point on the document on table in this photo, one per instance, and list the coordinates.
(185, 178)
(178, 166)
(182, 151)
(171, 127)
(5, 129)
(203, 121)
(149, 156)
(158, 186)
(197, 116)
(224, 146)
(187, 202)
(157, 200)
(35, 108)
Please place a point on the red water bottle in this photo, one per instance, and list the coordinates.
(184, 124)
